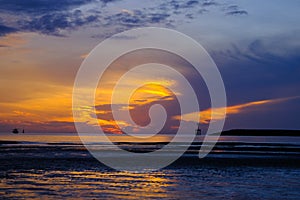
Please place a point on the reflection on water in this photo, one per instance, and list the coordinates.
(89, 184)
(67, 171)
(74, 138)
(180, 183)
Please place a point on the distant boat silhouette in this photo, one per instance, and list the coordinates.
(15, 131)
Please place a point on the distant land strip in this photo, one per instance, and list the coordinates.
(260, 132)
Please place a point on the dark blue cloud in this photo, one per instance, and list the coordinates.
(210, 3)
(192, 3)
(237, 12)
(264, 69)
(6, 30)
(178, 6)
(136, 18)
(107, 1)
(43, 16)
(57, 17)
(39, 6)
(158, 17)
(234, 10)
(190, 10)
(54, 22)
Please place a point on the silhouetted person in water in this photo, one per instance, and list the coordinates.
(23, 131)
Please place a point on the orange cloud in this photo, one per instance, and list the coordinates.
(214, 114)
(112, 126)
(38, 108)
(220, 113)
(21, 113)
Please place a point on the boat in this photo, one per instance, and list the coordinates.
(15, 131)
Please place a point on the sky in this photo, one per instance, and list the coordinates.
(255, 45)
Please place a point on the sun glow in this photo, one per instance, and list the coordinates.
(139, 101)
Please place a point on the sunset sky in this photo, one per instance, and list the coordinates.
(255, 44)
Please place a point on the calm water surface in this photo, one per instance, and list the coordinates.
(179, 183)
(35, 169)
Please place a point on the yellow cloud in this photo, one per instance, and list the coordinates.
(149, 93)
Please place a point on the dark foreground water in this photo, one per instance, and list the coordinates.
(68, 171)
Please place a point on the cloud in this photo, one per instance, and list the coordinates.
(210, 3)
(178, 4)
(6, 30)
(237, 12)
(234, 10)
(262, 68)
(207, 116)
(140, 103)
(39, 6)
(107, 1)
(135, 18)
(53, 23)
(278, 48)
(58, 17)
(46, 17)
(215, 114)
(124, 37)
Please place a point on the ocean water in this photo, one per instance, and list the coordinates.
(57, 166)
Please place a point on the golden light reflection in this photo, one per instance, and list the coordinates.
(90, 184)
(134, 185)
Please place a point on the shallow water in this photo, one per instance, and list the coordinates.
(177, 183)
(54, 167)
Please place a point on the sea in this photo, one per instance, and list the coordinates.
(58, 166)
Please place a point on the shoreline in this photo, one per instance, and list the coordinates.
(183, 162)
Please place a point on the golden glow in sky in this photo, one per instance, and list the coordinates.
(36, 91)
